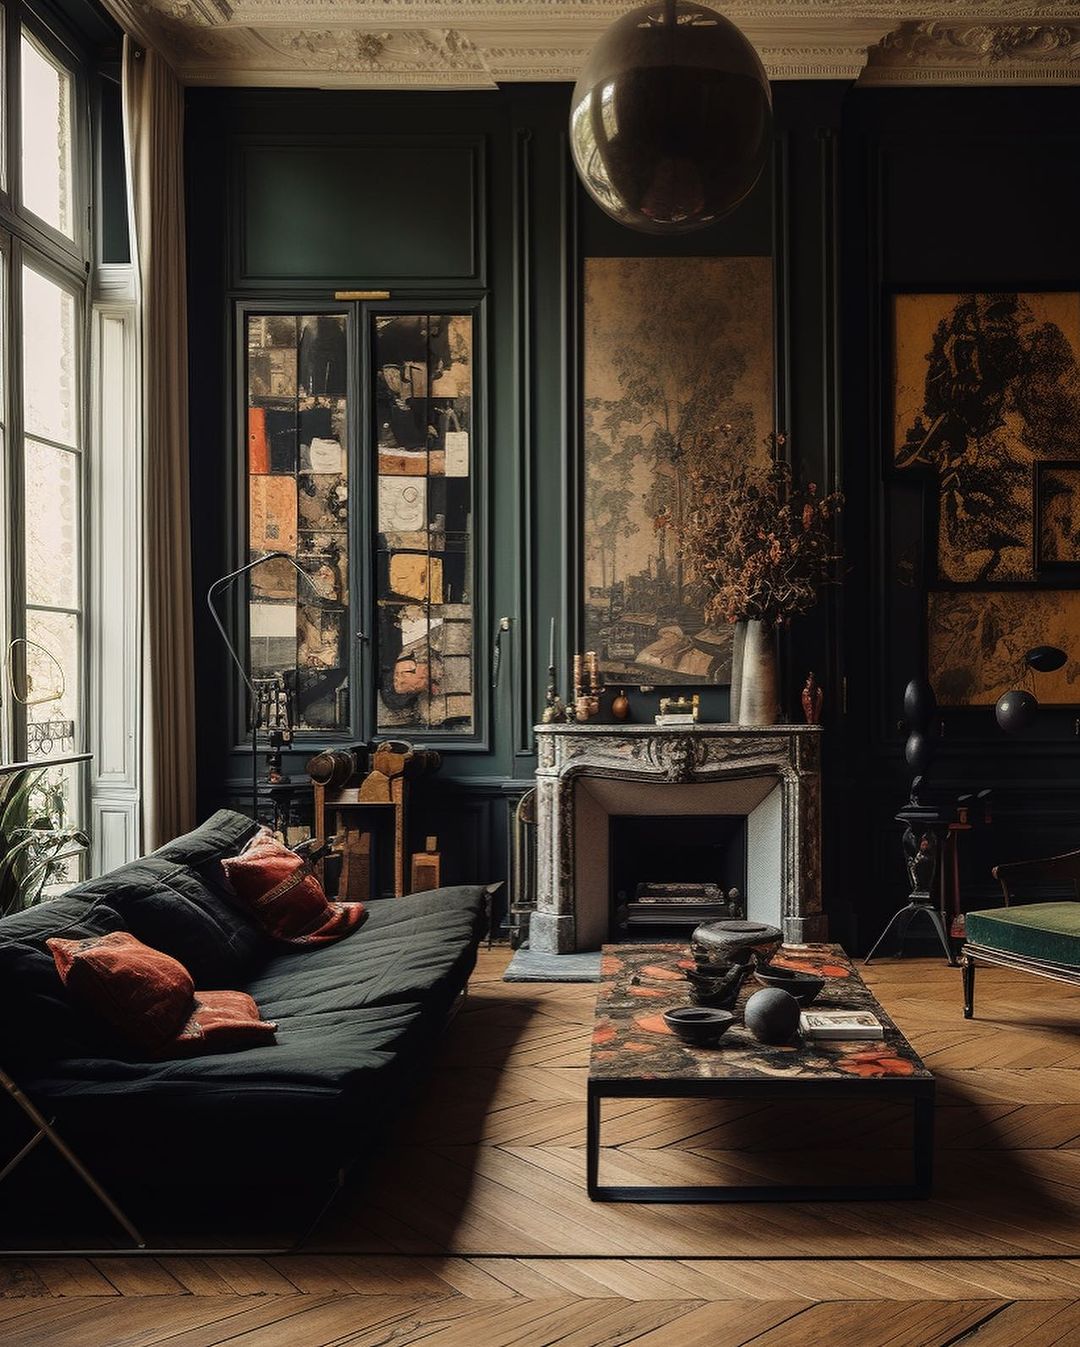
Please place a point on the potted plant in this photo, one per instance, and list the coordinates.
(760, 546)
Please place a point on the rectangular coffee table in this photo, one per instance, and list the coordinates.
(635, 1056)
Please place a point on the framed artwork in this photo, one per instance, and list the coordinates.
(297, 494)
(985, 386)
(1057, 515)
(978, 638)
(674, 349)
(423, 367)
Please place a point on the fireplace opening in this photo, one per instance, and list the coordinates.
(670, 872)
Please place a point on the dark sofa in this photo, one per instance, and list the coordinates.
(357, 1021)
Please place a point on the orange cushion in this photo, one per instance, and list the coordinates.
(284, 897)
(150, 998)
(222, 1022)
(143, 993)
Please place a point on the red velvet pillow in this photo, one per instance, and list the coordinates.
(143, 993)
(222, 1022)
(150, 998)
(284, 897)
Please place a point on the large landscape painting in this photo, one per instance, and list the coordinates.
(985, 386)
(676, 350)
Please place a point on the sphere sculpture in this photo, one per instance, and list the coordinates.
(671, 119)
(1016, 710)
(772, 1015)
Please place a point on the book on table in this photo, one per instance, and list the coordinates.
(825, 1024)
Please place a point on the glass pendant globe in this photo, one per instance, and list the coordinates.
(671, 120)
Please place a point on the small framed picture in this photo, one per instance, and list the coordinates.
(1057, 514)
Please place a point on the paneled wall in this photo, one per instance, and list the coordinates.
(294, 194)
(941, 190)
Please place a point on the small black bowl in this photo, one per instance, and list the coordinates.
(698, 1025)
(805, 987)
(718, 985)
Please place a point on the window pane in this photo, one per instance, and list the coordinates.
(298, 503)
(50, 346)
(52, 526)
(46, 138)
(423, 405)
(50, 684)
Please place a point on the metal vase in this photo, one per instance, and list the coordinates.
(737, 643)
(759, 699)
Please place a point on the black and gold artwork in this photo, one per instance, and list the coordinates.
(985, 387)
(1057, 515)
(424, 433)
(298, 503)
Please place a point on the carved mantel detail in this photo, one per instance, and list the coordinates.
(789, 754)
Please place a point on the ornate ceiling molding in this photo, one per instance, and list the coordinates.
(412, 44)
(976, 53)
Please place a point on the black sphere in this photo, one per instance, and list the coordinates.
(772, 1015)
(918, 751)
(671, 120)
(1045, 658)
(1016, 710)
(919, 704)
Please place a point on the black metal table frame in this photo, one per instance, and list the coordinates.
(920, 1092)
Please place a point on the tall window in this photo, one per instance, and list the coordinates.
(45, 246)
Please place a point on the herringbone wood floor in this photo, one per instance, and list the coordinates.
(476, 1230)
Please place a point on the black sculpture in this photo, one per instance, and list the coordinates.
(924, 826)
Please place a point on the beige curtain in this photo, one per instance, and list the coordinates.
(154, 133)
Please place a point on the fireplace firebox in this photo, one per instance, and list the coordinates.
(670, 872)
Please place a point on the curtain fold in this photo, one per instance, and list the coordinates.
(153, 101)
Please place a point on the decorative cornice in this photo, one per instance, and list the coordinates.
(480, 43)
(975, 53)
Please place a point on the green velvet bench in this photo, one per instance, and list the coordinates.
(1040, 938)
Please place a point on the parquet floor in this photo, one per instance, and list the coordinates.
(476, 1232)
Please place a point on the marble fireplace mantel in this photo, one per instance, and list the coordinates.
(769, 773)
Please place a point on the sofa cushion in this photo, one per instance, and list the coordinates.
(178, 900)
(284, 897)
(37, 1021)
(1047, 931)
(144, 994)
(172, 908)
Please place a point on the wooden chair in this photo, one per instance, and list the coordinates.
(1040, 938)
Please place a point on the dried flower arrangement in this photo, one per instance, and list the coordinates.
(758, 544)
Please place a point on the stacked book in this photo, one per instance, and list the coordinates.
(838, 1024)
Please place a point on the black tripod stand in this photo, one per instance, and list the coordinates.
(924, 826)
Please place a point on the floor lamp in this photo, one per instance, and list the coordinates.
(222, 583)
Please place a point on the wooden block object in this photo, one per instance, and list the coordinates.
(426, 868)
(355, 884)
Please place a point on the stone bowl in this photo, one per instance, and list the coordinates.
(805, 987)
(716, 985)
(701, 1026)
(716, 942)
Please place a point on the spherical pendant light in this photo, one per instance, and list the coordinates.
(671, 120)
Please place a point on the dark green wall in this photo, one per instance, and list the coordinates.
(296, 193)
